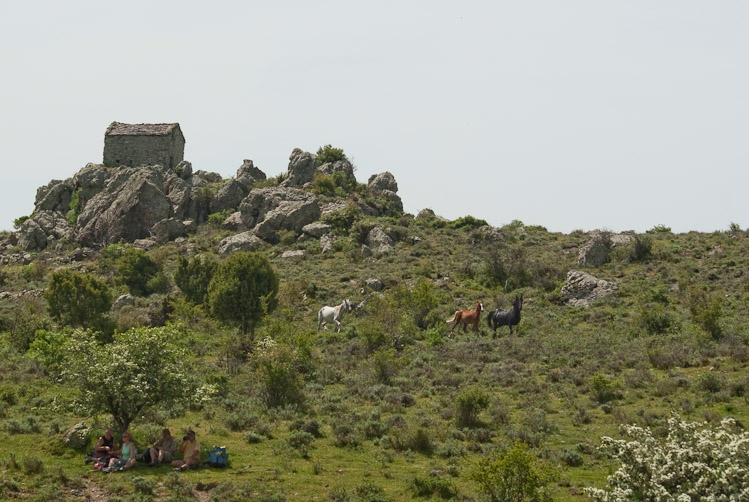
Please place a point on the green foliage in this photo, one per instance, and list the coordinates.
(78, 299)
(342, 221)
(657, 318)
(137, 372)
(469, 222)
(22, 321)
(706, 310)
(603, 388)
(280, 382)
(469, 404)
(18, 222)
(243, 290)
(139, 272)
(328, 153)
(641, 248)
(216, 219)
(514, 475)
(74, 208)
(659, 229)
(193, 276)
(427, 487)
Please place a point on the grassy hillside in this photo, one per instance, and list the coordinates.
(392, 407)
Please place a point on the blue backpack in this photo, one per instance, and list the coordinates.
(218, 457)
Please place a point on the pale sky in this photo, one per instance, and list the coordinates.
(567, 114)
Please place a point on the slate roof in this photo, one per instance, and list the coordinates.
(120, 129)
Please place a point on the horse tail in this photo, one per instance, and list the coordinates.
(455, 318)
(489, 319)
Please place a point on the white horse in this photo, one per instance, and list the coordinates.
(327, 314)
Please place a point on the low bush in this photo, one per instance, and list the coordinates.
(427, 487)
(469, 404)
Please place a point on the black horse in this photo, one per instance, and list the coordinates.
(497, 318)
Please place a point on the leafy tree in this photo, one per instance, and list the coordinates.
(78, 299)
(513, 476)
(328, 153)
(469, 222)
(138, 272)
(243, 290)
(137, 372)
(194, 276)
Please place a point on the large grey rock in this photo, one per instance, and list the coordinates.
(54, 224)
(89, 181)
(268, 210)
(55, 196)
(229, 196)
(374, 284)
(245, 241)
(379, 242)
(326, 243)
(582, 288)
(342, 166)
(382, 181)
(183, 170)
(316, 229)
(179, 194)
(210, 177)
(297, 253)
(248, 174)
(233, 222)
(301, 168)
(167, 229)
(595, 252)
(78, 436)
(130, 204)
(31, 237)
(123, 301)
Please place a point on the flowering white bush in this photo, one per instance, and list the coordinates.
(693, 463)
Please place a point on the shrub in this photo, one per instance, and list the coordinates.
(138, 272)
(78, 299)
(216, 219)
(657, 319)
(692, 462)
(369, 492)
(603, 388)
(706, 310)
(193, 277)
(18, 222)
(281, 384)
(328, 153)
(514, 475)
(641, 248)
(571, 457)
(341, 222)
(74, 208)
(144, 485)
(469, 404)
(300, 441)
(426, 487)
(468, 222)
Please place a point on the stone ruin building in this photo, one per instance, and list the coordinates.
(143, 144)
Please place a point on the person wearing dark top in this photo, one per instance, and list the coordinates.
(105, 444)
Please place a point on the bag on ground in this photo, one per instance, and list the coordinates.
(218, 457)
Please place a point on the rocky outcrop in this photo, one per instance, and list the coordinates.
(130, 204)
(582, 288)
(268, 210)
(594, 253)
(379, 242)
(229, 196)
(339, 166)
(382, 181)
(326, 243)
(31, 237)
(183, 170)
(55, 196)
(77, 437)
(167, 229)
(374, 284)
(301, 168)
(316, 229)
(245, 241)
(298, 253)
(248, 174)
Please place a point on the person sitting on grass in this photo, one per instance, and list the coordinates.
(126, 455)
(190, 449)
(104, 445)
(163, 449)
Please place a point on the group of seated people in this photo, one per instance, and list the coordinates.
(162, 451)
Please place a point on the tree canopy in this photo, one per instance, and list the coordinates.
(243, 290)
(77, 299)
(139, 370)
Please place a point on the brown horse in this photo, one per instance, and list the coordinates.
(467, 317)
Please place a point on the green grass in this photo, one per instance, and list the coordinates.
(538, 381)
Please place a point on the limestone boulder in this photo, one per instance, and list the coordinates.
(89, 181)
(77, 437)
(374, 284)
(233, 221)
(54, 196)
(31, 237)
(316, 229)
(248, 175)
(167, 229)
(581, 288)
(209, 177)
(183, 170)
(382, 181)
(244, 241)
(301, 168)
(54, 224)
(595, 252)
(339, 166)
(179, 194)
(379, 242)
(268, 210)
(326, 243)
(297, 253)
(229, 196)
(131, 203)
